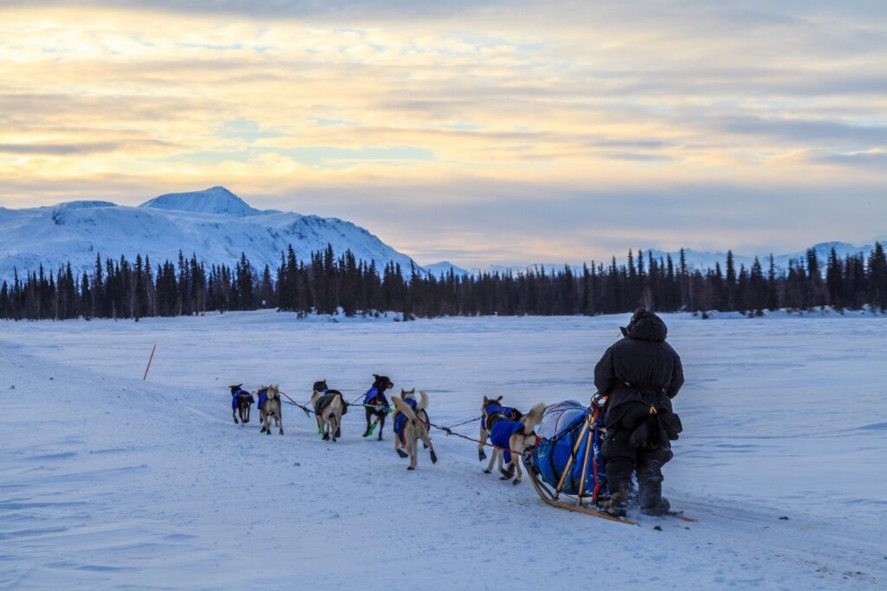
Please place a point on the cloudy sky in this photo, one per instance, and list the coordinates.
(510, 132)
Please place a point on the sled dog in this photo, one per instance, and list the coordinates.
(329, 406)
(376, 404)
(270, 408)
(492, 409)
(510, 438)
(411, 425)
(241, 402)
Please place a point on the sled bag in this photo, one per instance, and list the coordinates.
(559, 431)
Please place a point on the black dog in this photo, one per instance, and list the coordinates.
(376, 404)
(241, 402)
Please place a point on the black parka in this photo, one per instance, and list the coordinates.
(640, 368)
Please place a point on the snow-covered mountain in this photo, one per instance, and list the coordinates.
(214, 224)
(706, 260)
(443, 268)
(217, 225)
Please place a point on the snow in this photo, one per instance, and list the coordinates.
(443, 268)
(110, 482)
(217, 200)
(215, 224)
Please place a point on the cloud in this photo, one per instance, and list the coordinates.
(877, 160)
(806, 131)
(507, 131)
(78, 149)
(326, 9)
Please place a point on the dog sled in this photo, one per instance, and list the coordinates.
(566, 466)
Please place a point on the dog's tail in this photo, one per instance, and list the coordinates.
(533, 418)
(404, 408)
(423, 400)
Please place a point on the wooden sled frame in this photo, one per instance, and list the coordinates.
(552, 495)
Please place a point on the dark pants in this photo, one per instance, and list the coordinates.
(622, 459)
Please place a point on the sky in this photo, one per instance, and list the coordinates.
(483, 133)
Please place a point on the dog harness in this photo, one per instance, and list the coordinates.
(502, 432)
(372, 394)
(325, 400)
(263, 397)
(237, 395)
(400, 420)
(495, 408)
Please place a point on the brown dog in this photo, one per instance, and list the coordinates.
(329, 406)
(270, 408)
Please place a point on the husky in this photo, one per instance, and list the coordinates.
(241, 402)
(376, 404)
(492, 410)
(511, 437)
(329, 406)
(270, 408)
(411, 423)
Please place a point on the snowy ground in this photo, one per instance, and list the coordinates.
(107, 481)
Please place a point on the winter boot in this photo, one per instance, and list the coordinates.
(650, 490)
(618, 504)
(658, 508)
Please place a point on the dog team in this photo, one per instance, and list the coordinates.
(509, 430)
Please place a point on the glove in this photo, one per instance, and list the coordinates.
(598, 399)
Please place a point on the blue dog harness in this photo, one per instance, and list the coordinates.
(374, 393)
(400, 420)
(263, 397)
(502, 432)
(495, 408)
(237, 395)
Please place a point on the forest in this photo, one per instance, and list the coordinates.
(327, 283)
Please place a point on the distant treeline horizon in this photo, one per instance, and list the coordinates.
(326, 284)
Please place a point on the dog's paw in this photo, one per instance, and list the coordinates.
(488, 471)
(433, 457)
(481, 456)
(410, 468)
(326, 436)
(402, 453)
(516, 481)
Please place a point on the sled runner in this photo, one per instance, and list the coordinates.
(567, 466)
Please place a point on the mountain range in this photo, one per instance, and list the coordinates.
(214, 224)
(217, 226)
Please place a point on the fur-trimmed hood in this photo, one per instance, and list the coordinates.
(645, 326)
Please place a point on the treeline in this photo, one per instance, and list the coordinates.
(326, 283)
